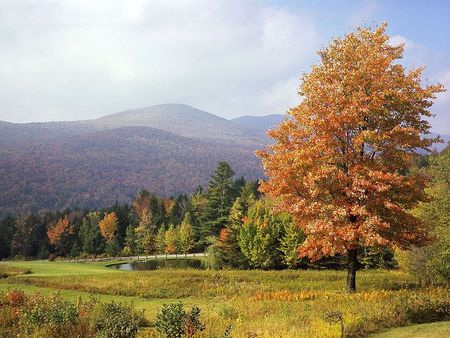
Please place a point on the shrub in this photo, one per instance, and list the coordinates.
(115, 320)
(170, 320)
(192, 322)
(52, 317)
(173, 321)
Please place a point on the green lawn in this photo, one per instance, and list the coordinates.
(431, 330)
(51, 269)
(256, 303)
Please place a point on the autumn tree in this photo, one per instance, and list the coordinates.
(171, 240)
(339, 161)
(108, 229)
(186, 234)
(58, 234)
(108, 225)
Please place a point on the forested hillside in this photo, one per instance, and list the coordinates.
(86, 164)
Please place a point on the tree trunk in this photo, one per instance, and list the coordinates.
(351, 272)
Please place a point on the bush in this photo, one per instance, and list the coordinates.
(116, 320)
(173, 321)
(50, 316)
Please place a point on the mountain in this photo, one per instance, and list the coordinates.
(441, 146)
(93, 163)
(167, 149)
(179, 119)
(258, 123)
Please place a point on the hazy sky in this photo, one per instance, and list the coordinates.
(69, 60)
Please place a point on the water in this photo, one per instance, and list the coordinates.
(160, 264)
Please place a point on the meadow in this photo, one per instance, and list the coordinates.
(288, 303)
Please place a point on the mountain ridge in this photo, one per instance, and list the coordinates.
(93, 163)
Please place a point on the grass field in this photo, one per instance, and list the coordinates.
(254, 303)
(431, 330)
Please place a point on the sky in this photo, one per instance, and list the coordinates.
(81, 59)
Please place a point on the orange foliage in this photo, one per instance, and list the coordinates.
(339, 161)
(59, 230)
(224, 234)
(108, 225)
(169, 204)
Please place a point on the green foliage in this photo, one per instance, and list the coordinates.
(186, 234)
(161, 240)
(431, 264)
(26, 232)
(377, 258)
(259, 236)
(52, 311)
(174, 322)
(90, 236)
(228, 245)
(291, 240)
(220, 195)
(131, 241)
(115, 320)
(7, 231)
(52, 317)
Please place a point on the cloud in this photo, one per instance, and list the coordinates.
(75, 59)
(363, 12)
(67, 60)
(437, 70)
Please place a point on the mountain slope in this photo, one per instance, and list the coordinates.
(258, 123)
(167, 149)
(179, 119)
(96, 169)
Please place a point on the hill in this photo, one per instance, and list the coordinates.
(258, 123)
(93, 163)
(168, 149)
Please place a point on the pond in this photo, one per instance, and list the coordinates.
(160, 264)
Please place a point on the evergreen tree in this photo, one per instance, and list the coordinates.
(92, 241)
(219, 200)
(131, 244)
(161, 240)
(228, 246)
(198, 205)
(25, 241)
(6, 235)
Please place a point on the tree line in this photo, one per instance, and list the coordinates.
(229, 218)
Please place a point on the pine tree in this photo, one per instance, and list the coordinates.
(228, 245)
(219, 200)
(161, 240)
(92, 241)
(131, 244)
